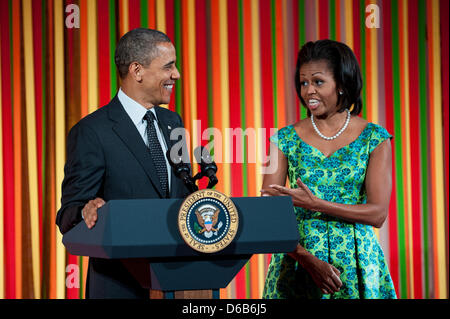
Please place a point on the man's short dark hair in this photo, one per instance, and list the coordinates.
(342, 62)
(138, 45)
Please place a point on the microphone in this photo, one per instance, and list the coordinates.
(207, 166)
(181, 170)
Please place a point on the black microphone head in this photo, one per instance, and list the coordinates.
(182, 170)
(179, 166)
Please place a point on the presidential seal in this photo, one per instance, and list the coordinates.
(208, 221)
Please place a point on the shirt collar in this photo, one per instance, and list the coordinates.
(134, 110)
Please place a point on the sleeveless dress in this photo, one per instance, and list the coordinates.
(351, 247)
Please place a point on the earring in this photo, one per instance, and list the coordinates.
(340, 92)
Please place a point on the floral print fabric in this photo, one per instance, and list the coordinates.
(352, 248)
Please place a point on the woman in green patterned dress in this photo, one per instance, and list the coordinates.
(340, 174)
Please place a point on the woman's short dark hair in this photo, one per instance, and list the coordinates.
(342, 62)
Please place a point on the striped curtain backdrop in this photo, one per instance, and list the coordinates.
(237, 61)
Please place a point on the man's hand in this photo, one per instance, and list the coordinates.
(89, 211)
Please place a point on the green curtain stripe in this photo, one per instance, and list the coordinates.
(398, 148)
(274, 61)
(112, 47)
(178, 46)
(362, 15)
(423, 109)
(332, 19)
(144, 13)
(301, 42)
(248, 287)
(80, 279)
(301, 23)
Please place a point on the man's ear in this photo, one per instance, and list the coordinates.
(135, 71)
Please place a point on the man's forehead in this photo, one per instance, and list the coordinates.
(165, 47)
(164, 53)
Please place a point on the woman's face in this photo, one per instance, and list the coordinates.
(318, 88)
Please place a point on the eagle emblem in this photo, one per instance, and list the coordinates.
(207, 217)
(208, 221)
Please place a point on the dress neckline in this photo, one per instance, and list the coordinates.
(331, 154)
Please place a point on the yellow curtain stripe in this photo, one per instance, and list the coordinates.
(406, 123)
(261, 274)
(439, 169)
(92, 56)
(256, 60)
(192, 75)
(125, 17)
(60, 136)
(316, 19)
(161, 16)
(224, 88)
(31, 142)
(349, 23)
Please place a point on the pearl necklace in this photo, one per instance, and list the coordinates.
(337, 134)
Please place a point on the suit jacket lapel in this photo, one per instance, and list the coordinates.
(127, 132)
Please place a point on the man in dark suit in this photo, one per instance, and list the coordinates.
(118, 151)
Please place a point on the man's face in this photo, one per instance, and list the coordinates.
(158, 78)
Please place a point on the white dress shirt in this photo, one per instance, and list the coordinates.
(136, 113)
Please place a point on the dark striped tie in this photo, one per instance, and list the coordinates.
(156, 152)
